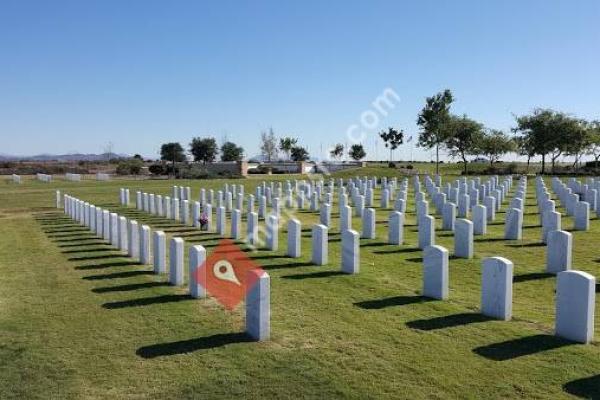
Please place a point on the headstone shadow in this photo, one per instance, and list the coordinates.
(287, 265)
(78, 239)
(129, 287)
(91, 243)
(268, 257)
(491, 240)
(448, 321)
(392, 302)
(115, 275)
(147, 301)
(534, 276)
(107, 265)
(88, 250)
(313, 275)
(588, 388)
(191, 345)
(177, 231)
(400, 250)
(521, 347)
(98, 257)
(82, 234)
(536, 244)
(66, 230)
(375, 244)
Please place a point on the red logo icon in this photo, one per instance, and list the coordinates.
(225, 274)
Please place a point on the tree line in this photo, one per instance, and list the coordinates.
(206, 150)
(546, 133)
(203, 150)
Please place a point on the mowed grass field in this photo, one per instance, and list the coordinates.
(78, 319)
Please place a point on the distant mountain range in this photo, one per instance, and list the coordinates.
(63, 157)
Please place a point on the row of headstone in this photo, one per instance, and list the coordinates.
(100, 176)
(464, 193)
(350, 238)
(232, 191)
(575, 293)
(182, 192)
(559, 242)
(496, 309)
(43, 177)
(464, 237)
(464, 230)
(309, 194)
(577, 204)
(72, 177)
(134, 239)
(124, 197)
(462, 199)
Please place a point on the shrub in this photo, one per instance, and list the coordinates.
(391, 164)
(130, 167)
(511, 168)
(157, 169)
(201, 172)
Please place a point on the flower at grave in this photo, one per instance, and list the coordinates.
(203, 219)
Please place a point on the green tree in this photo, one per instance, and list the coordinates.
(431, 120)
(462, 135)
(594, 140)
(299, 153)
(357, 152)
(524, 147)
(286, 145)
(392, 139)
(204, 149)
(337, 152)
(548, 133)
(268, 145)
(494, 144)
(231, 152)
(156, 169)
(172, 152)
(579, 138)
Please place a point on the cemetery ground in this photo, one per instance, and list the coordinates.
(78, 319)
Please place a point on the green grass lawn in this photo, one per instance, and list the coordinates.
(80, 320)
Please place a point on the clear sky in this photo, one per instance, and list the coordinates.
(75, 75)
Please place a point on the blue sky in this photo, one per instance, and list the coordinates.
(75, 75)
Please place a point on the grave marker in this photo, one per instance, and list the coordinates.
(435, 272)
(496, 288)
